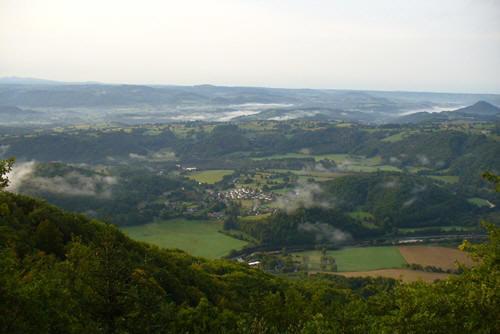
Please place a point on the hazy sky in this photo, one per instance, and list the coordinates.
(433, 45)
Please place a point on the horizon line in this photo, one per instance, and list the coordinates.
(52, 82)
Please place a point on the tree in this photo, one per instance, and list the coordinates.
(49, 238)
(495, 179)
(5, 168)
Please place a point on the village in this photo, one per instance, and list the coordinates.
(244, 194)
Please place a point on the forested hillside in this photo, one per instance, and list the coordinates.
(63, 273)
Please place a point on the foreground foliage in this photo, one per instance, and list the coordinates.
(63, 273)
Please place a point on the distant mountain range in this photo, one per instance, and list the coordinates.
(479, 111)
(36, 81)
(88, 102)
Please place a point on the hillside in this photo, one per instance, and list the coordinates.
(61, 272)
(480, 111)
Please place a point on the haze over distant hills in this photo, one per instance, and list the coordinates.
(67, 103)
(479, 111)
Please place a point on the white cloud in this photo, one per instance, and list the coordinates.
(73, 183)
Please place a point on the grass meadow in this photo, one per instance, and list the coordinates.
(210, 176)
(196, 237)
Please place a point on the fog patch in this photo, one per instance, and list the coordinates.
(422, 159)
(394, 160)
(318, 167)
(410, 202)
(415, 191)
(305, 195)
(20, 172)
(74, 184)
(391, 184)
(440, 164)
(418, 189)
(71, 184)
(325, 232)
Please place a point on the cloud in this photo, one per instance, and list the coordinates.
(137, 156)
(23, 177)
(20, 173)
(410, 202)
(325, 232)
(422, 159)
(394, 160)
(391, 184)
(305, 195)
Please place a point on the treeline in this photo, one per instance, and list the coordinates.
(135, 195)
(434, 149)
(401, 200)
(392, 201)
(314, 225)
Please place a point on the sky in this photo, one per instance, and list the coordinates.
(416, 45)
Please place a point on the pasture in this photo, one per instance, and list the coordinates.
(210, 176)
(356, 258)
(196, 237)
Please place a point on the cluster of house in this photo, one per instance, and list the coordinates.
(244, 193)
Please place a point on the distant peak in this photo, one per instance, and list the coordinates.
(482, 103)
(480, 107)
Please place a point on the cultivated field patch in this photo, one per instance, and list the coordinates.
(441, 257)
(210, 176)
(196, 237)
(356, 258)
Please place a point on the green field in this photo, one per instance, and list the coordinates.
(210, 176)
(358, 258)
(199, 238)
(394, 138)
(360, 215)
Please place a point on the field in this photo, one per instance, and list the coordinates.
(360, 215)
(199, 238)
(441, 257)
(210, 176)
(406, 275)
(358, 258)
(394, 138)
(388, 261)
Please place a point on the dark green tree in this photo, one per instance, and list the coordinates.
(5, 168)
(49, 238)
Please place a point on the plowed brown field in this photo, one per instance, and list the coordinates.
(441, 257)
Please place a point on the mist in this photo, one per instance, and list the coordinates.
(23, 178)
(325, 232)
(305, 195)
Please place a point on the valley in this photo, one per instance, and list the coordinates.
(216, 189)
